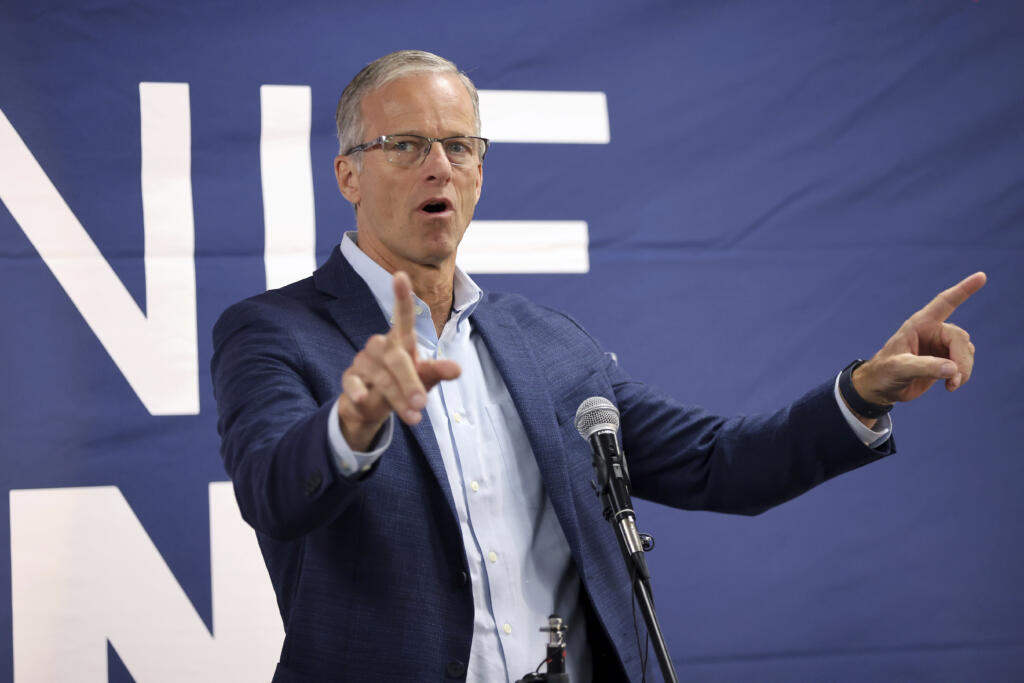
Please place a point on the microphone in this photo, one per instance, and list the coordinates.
(597, 421)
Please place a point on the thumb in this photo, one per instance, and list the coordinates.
(432, 371)
(907, 366)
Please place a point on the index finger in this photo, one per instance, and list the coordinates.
(404, 315)
(943, 305)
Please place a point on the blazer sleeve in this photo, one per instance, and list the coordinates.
(683, 456)
(273, 428)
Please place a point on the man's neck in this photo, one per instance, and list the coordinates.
(434, 285)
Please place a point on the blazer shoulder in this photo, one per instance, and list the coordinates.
(566, 355)
(537, 318)
(283, 306)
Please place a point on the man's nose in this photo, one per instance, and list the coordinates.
(437, 164)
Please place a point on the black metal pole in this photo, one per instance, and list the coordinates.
(643, 595)
(614, 489)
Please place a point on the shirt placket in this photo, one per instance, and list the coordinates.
(471, 482)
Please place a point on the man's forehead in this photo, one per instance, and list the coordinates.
(420, 99)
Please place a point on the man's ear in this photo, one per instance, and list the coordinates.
(348, 178)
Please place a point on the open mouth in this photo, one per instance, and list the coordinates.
(435, 206)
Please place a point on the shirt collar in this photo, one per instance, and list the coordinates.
(466, 294)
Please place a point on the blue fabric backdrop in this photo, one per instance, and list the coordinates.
(784, 183)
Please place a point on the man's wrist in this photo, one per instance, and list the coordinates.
(872, 433)
(358, 434)
(353, 462)
(854, 399)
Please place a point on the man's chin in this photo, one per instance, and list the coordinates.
(439, 245)
(433, 254)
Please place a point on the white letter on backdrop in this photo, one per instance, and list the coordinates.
(156, 352)
(289, 225)
(84, 572)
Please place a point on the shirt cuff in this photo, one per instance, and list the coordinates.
(872, 438)
(353, 463)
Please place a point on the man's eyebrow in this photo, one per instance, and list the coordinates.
(453, 135)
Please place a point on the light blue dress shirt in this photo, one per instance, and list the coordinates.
(520, 566)
(519, 562)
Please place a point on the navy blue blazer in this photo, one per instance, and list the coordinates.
(370, 574)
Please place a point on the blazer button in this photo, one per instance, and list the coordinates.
(455, 669)
(313, 483)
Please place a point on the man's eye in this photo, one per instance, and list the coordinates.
(458, 147)
(406, 145)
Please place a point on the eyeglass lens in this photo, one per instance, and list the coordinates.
(407, 150)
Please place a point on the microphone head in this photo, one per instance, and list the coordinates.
(596, 414)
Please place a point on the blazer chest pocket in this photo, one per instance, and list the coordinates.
(566, 405)
(578, 452)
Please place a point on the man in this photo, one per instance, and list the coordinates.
(420, 497)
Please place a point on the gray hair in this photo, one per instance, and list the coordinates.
(380, 72)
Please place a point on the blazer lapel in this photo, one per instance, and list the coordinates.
(351, 303)
(358, 316)
(513, 354)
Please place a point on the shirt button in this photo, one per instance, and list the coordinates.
(492, 556)
(418, 309)
(507, 628)
(475, 486)
(457, 417)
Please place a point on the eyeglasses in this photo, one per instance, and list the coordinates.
(412, 150)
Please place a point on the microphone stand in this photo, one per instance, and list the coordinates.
(613, 488)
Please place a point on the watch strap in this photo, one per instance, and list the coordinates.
(853, 399)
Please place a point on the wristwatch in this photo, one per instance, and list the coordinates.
(853, 399)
